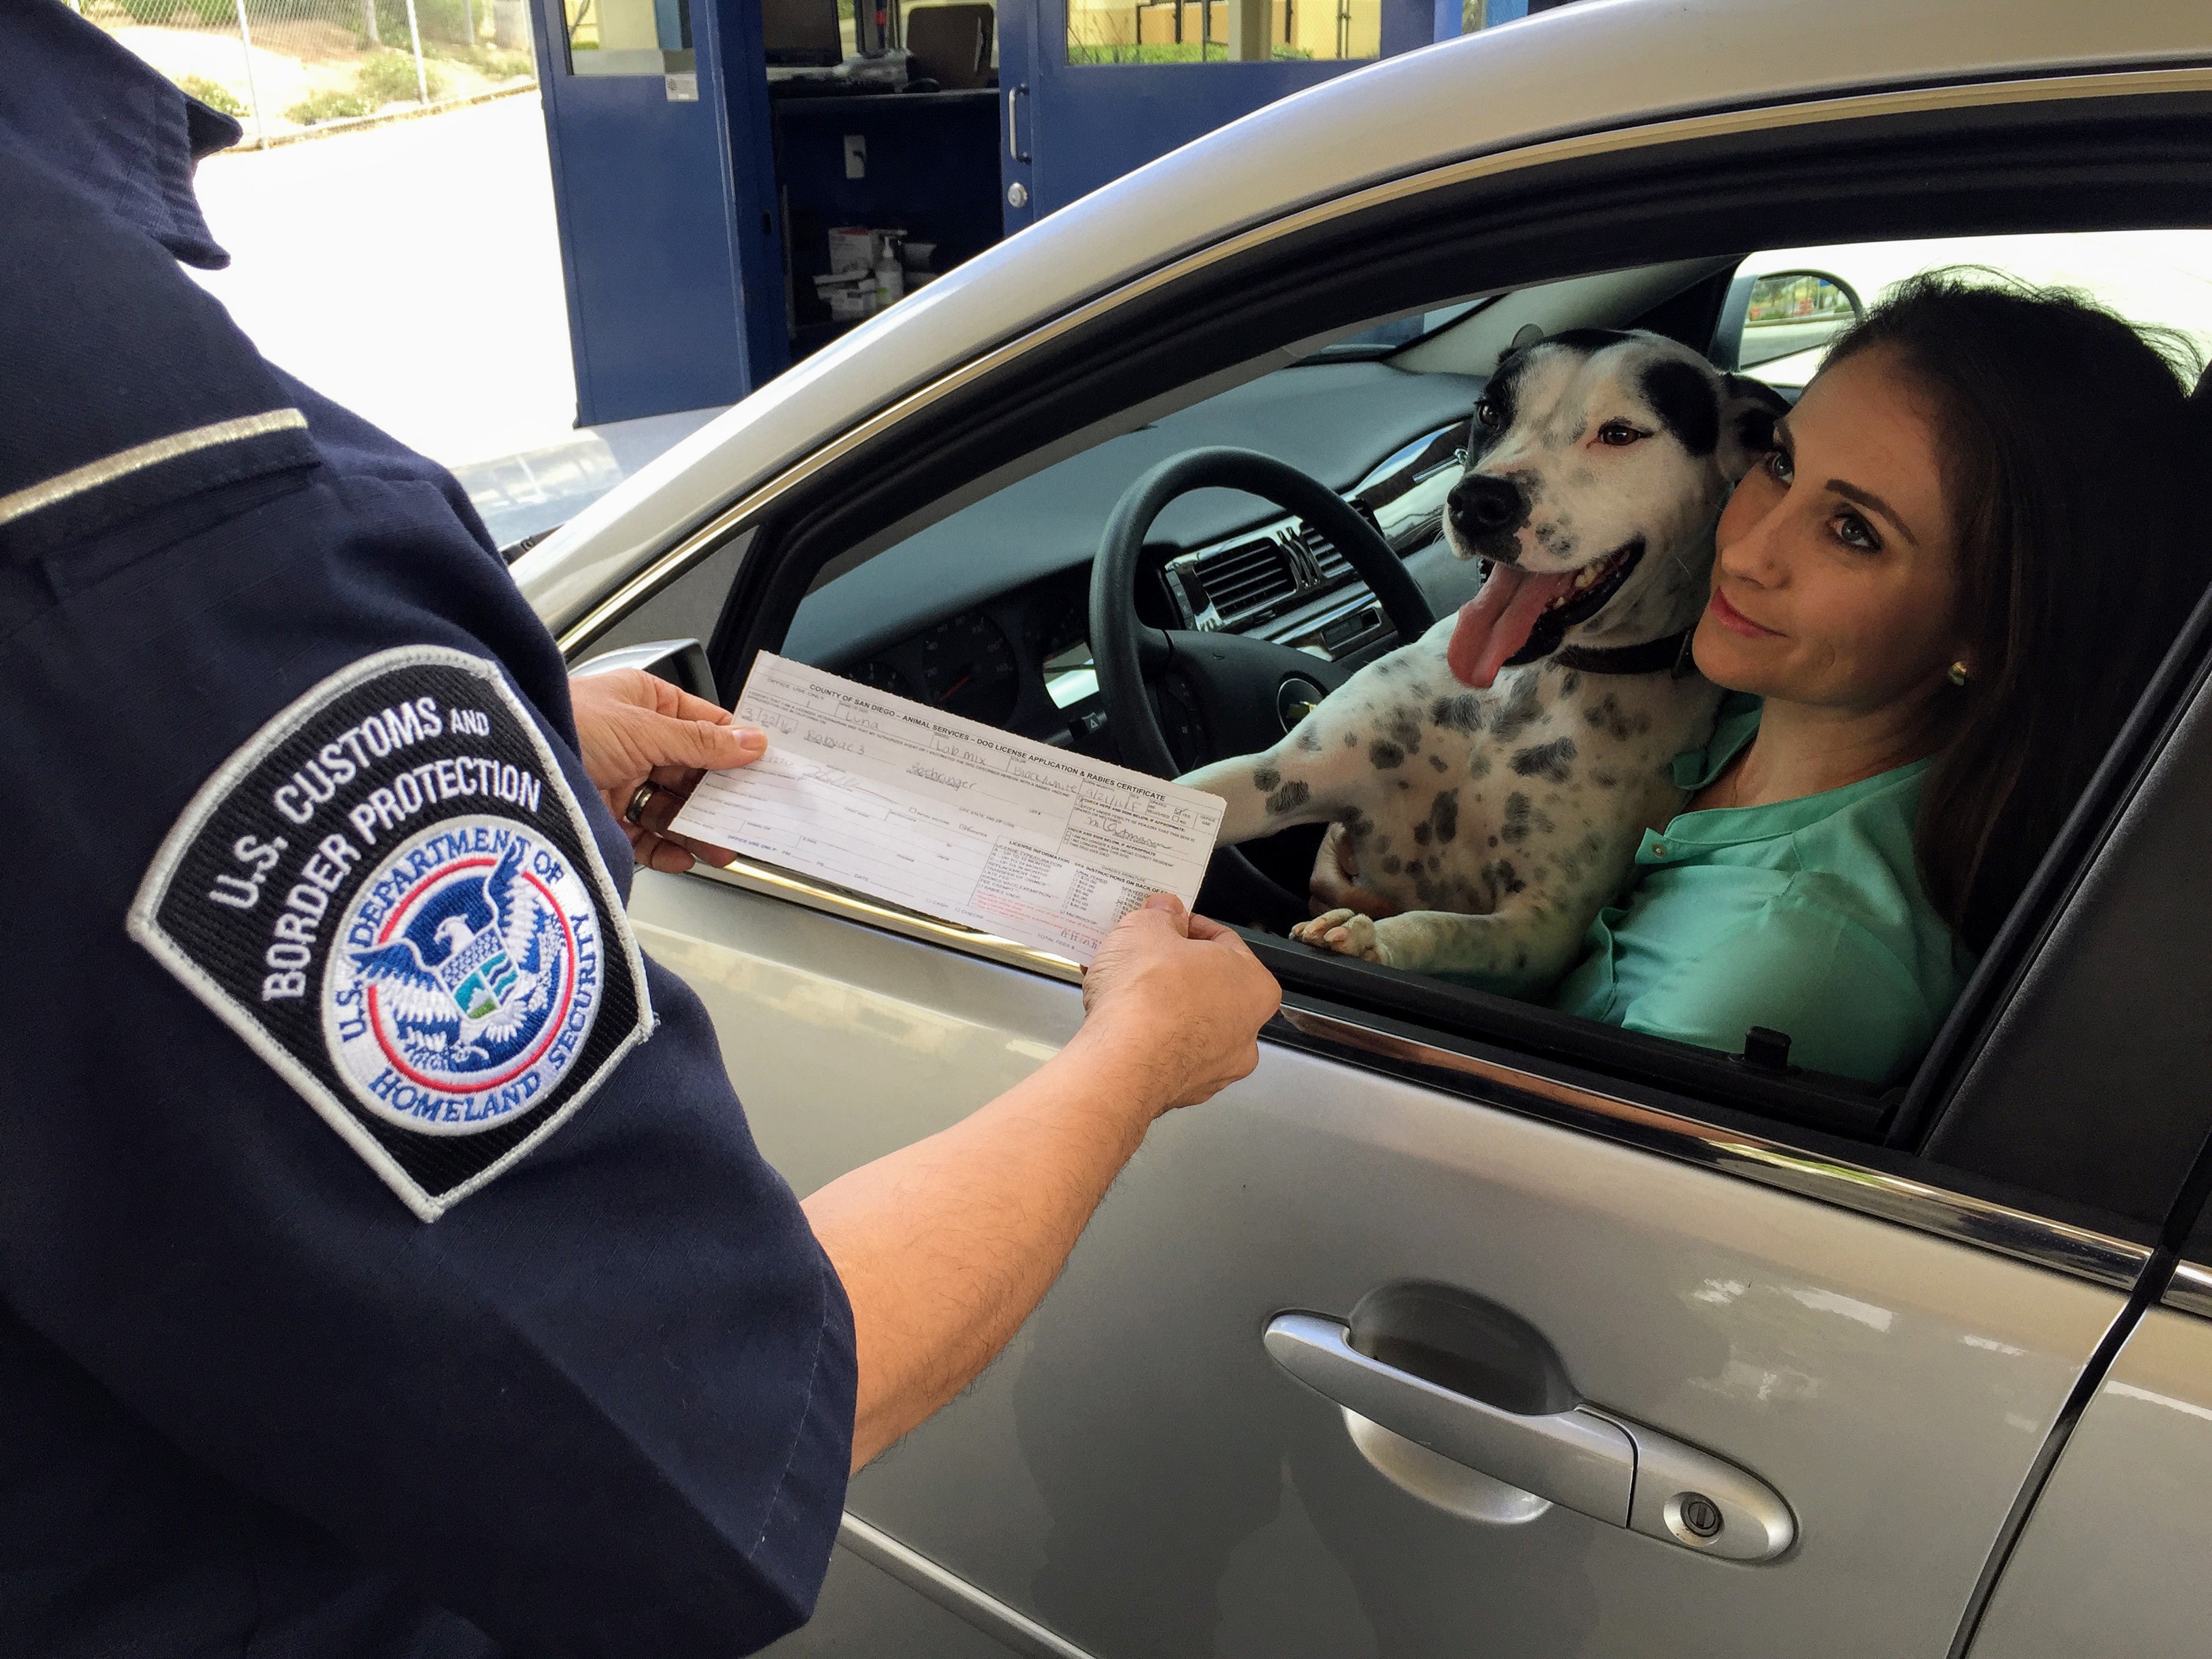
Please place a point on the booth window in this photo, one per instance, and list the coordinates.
(627, 36)
(1223, 31)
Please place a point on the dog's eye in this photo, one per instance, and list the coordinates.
(1619, 435)
(1488, 415)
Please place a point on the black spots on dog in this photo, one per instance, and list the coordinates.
(1309, 740)
(1478, 765)
(1569, 683)
(1522, 707)
(1265, 778)
(1404, 731)
(1352, 740)
(1552, 761)
(1606, 779)
(1756, 406)
(1437, 764)
(1493, 841)
(1444, 817)
(1504, 880)
(1405, 783)
(1359, 826)
(1518, 810)
(1290, 797)
(1382, 843)
(1394, 866)
(1423, 834)
(1460, 714)
(1682, 395)
(1382, 755)
(1606, 716)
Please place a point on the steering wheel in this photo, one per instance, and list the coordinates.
(1246, 692)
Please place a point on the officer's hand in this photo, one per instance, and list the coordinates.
(1179, 1000)
(635, 729)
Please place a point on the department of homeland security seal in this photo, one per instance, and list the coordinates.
(465, 979)
(392, 895)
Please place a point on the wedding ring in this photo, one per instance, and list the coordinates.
(646, 792)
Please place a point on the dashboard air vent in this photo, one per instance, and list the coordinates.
(1247, 579)
(1327, 559)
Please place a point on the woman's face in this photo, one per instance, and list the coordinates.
(1836, 582)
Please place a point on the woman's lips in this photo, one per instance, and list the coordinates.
(1736, 622)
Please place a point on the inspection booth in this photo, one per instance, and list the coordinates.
(715, 162)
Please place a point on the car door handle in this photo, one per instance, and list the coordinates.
(1584, 1459)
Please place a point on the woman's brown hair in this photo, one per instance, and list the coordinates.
(2076, 471)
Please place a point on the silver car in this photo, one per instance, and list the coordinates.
(1462, 1327)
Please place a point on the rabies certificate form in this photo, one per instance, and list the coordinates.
(947, 817)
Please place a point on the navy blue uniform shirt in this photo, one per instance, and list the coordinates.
(386, 1266)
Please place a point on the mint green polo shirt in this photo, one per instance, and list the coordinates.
(1806, 916)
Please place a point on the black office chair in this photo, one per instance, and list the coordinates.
(950, 45)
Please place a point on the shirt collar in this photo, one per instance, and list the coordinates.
(1736, 724)
(90, 111)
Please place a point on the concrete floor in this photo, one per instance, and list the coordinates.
(411, 272)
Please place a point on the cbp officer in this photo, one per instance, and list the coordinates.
(386, 1267)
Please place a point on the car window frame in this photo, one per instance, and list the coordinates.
(1535, 205)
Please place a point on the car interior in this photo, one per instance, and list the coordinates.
(980, 600)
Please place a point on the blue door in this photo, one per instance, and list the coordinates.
(662, 171)
(1090, 91)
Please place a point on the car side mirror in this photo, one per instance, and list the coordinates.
(680, 662)
(1780, 315)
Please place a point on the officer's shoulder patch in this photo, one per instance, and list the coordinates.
(392, 895)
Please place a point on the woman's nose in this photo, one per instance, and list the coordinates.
(1751, 551)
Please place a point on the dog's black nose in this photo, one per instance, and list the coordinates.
(1483, 506)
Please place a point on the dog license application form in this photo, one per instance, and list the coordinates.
(947, 817)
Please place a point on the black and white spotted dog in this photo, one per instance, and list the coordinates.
(1493, 779)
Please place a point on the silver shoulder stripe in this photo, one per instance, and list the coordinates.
(94, 474)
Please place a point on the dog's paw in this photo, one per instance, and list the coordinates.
(1345, 932)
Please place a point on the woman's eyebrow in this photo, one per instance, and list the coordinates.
(1851, 492)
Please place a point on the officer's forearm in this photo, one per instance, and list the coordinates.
(946, 1245)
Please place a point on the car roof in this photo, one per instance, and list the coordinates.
(1599, 66)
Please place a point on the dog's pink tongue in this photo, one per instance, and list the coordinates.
(1497, 622)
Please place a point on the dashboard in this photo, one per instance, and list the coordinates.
(1012, 651)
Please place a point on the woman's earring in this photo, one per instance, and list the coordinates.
(1958, 675)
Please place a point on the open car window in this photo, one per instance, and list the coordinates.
(978, 600)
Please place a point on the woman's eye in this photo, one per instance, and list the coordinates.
(1778, 466)
(1854, 531)
(1618, 434)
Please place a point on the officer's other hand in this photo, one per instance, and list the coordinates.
(634, 729)
(1179, 1000)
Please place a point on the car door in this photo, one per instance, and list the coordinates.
(1431, 1337)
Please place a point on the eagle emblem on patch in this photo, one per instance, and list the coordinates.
(392, 895)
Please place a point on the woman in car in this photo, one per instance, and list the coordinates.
(1939, 597)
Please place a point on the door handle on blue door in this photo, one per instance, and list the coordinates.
(1584, 1459)
(1014, 150)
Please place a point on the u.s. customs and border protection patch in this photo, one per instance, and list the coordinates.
(392, 894)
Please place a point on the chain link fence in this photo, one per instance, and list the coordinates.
(285, 67)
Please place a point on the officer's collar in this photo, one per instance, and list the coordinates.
(89, 110)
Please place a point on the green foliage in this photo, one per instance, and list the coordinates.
(329, 105)
(1168, 51)
(214, 94)
(388, 77)
(1163, 51)
(445, 20)
(184, 12)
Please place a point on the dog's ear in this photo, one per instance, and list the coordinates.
(1749, 409)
